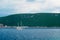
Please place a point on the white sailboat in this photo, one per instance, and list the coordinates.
(20, 27)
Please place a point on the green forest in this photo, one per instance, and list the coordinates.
(37, 19)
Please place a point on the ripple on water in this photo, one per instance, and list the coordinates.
(30, 34)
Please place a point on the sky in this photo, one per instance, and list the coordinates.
(8, 7)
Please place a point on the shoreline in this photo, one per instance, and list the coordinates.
(30, 28)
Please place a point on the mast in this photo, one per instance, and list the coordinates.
(18, 24)
(21, 23)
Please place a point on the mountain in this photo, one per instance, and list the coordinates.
(37, 19)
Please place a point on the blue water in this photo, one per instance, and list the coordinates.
(30, 34)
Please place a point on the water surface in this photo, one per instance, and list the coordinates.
(30, 34)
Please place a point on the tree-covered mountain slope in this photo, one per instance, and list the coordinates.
(38, 19)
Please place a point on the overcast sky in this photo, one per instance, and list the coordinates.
(29, 6)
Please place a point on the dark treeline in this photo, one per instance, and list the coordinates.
(37, 19)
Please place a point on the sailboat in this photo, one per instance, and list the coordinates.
(20, 27)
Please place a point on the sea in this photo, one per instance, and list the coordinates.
(29, 34)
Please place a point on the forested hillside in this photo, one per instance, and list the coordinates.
(38, 19)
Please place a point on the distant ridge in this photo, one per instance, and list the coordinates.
(37, 19)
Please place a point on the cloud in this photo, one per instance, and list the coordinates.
(30, 0)
(26, 7)
(29, 6)
(51, 6)
(35, 6)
